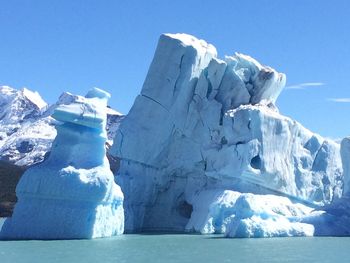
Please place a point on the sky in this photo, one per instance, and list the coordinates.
(74, 45)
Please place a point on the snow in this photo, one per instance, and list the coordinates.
(203, 124)
(29, 144)
(17, 105)
(34, 97)
(25, 135)
(6, 92)
(72, 194)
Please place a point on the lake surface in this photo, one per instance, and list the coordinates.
(178, 248)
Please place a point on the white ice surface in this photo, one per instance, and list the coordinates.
(247, 215)
(202, 123)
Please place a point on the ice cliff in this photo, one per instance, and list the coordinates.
(71, 194)
(205, 149)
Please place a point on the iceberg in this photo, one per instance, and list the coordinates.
(72, 194)
(204, 146)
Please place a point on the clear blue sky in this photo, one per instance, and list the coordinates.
(72, 45)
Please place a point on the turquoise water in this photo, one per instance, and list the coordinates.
(178, 248)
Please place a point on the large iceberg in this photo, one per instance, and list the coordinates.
(205, 149)
(72, 194)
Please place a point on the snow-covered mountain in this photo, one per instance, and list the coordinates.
(27, 129)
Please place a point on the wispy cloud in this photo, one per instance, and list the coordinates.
(305, 85)
(339, 100)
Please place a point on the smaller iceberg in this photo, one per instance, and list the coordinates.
(238, 214)
(72, 194)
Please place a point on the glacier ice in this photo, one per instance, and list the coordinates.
(72, 194)
(345, 154)
(205, 132)
(335, 217)
(248, 215)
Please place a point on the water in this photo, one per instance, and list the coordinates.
(178, 248)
